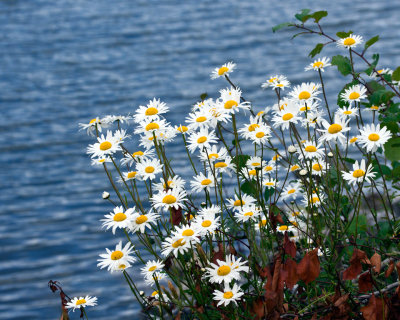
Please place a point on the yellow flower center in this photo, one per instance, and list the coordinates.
(358, 173)
(188, 233)
(151, 111)
(237, 203)
(213, 155)
(334, 128)
(152, 268)
(224, 270)
(310, 149)
(263, 223)
(260, 134)
(201, 119)
(105, 145)
(228, 295)
(260, 113)
(317, 167)
(291, 191)
(93, 121)
(272, 79)
(276, 157)
(169, 199)
(182, 129)
(304, 108)
(178, 243)
(221, 165)
(295, 167)
(122, 266)
(318, 64)
(137, 154)
(347, 112)
(255, 164)
(253, 172)
(349, 41)
(354, 95)
(248, 214)
(287, 116)
(206, 223)
(375, 108)
(154, 293)
(373, 137)
(116, 255)
(230, 104)
(80, 301)
(131, 174)
(352, 140)
(120, 216)
(283, 228)
(152, 126)
(222, 70)
(206, 182)
(304, 95)
(149, 169)
(315, 199)
(269, 183)
(253, 127)
(296, 213)
(202, 139)
(141, 219)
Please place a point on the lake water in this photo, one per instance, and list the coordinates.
(67, 61)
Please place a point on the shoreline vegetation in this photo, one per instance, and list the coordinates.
(278, 220)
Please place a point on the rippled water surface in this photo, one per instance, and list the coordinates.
(64, 62)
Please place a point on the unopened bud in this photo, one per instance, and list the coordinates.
(141, 293)
(303, 172)
(330, 155)
(292, 149)
(105, 195)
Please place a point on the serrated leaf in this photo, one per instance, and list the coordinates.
(392, 149)
(396, 74)
(318, 15)
(342, 34)
(343, 64)
(281, 26)
(370, 42)
(303, 15)
(318, 48)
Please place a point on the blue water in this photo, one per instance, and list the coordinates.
(67, 61)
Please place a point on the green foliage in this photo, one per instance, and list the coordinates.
(303, 16)
(318, 15)
(342, 34)
(392, 149)
(281, 26)
(396, 74)
(370, 42)
(268, 193)
(343, 64)
(318, 48)
(203, 96)
(358, 225)
(380, 96)
(240, 161)
(374, 63)
(249, 188)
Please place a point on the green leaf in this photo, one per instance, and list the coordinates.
(352, 161)
(392, 149)
(240, 161)
(249, 188)
(268, 193)
(360, 224)
(318, 48)
(203, 96)
(385, 170)
(343, 64)
(303, 15)
(375, 59)
(392, 126)
(374, 86)
(281, 26)
(342, 34)
(318, 15)
(370, 42)
(396, 74)
(380, 96)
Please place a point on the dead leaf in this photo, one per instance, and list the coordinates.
(375, 310)
(365, 282)
(389, 269)
(376, 262)
(309, 267)
(176, 216)
(289, 246)
(398, 269)
(355, 267)
(218, 255)
(291, 276)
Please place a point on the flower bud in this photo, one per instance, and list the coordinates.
(141, 293)
(105, 195)
(330, 155)
(292, 149)
(303, 172)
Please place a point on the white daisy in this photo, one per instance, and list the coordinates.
(201, 139)
(247, 213)
(255, 162)
(113, 259)
(372, 137)
(120, 218)
(155, 277)
(284, 117)
(99, 161)
(291, 191)
(202, 182)
(223, 166)
(314, 199)
(209, 211)
(213, 154)
(182, 129)
(318, 167)
(319, 64)
(206, 224)
(359, 173)
(247, 130)
(350, 42)
(262, 224)
(150, 126)
(270, 183)
(175, 244)
(81, 302)
(306, 92)
(236, 203)
(169, 199)
(310, 150)
(276, 81)
(334, 131)
(199, 119)
(105, 146)
(121, 135)
(151, 267)
(92, 125)
(188, 233)
(140, 221)
(113, 118)
(173, 183)
(260, 135)
(151, 111)
(130, 175)
(147, 169)
(226, 271)
(283, 228)
(225, 69)
(230, 100)
(354, 93)
(228, 295)
(347, 112)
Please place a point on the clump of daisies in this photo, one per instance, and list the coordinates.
(250, 189)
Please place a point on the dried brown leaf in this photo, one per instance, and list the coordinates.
(375, 310)
(389, 269)
(376, 262)
(309, 267)
(365, 282)
(289, 246)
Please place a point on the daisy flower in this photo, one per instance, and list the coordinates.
(121, 135)
(151, 111)
(251, 174)
(291, 191)
(375, 75)
(201, 139)
(130, 175)
(173, 183)
(255, 162)
(137, 156)
(262, 224)
(140, 221)
(247, 213)
(236, 203)
(228, 295)
(294, 168)
(225, 69)
(151, 126)
(151, 267)
(100, 160)
(169, 199)
(182, 129)
(313, 118)
(206, 224)
(175, 244)
(199, 119)
(260, 135)
(283, 228)
(310, 150)
(347, 112)
(209, 211)
(112, 118)
(372, 137)
(319, 64)
(105, 146)
(213, 154)
(270, 183)
(155, 277)
(350, 42)
(284, 117)
(147, 169)
(119, 218)
(271, 167)
(359, 173)
(354, 93)
(282, 84)
(113, 259)
(202, 182)
(306, 92)
(81, 302)
(189, 233)
(334, 131)
(314, 200)
(247, 130)
(230, 100)
(318, 167)
(224, 166)
(226, 271)
(92, 125)
(276, 81)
